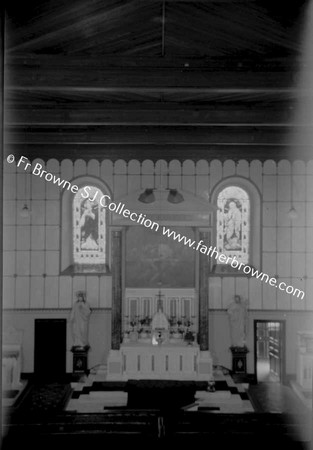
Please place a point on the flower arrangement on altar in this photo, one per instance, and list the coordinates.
(145, 321)
(189, 336)
(145, 327)
(180, 327)
(133, 323)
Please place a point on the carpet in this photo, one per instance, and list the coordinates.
(161, 394)
(44, 399)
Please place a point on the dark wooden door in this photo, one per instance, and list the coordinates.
(50, 348)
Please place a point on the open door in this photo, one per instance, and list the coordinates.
(50, 349)
(269, 351)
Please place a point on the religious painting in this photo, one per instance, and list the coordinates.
(154, 260)
(88, 228)
(233, 223)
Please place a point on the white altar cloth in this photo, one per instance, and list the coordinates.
(165, 361)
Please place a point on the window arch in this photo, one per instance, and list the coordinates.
(233, 223)
(84, 228)
(236, 229)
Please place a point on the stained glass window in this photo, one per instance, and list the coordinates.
(89, 228)
(233, 223)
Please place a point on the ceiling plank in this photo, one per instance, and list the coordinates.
(141, 116)
(83, 78)
(103, 62)
(150, 134)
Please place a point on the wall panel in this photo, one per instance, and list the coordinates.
(215, 293)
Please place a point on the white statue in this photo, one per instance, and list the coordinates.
(238, 320)
(80, 318)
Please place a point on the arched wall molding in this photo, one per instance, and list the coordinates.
(66, 236)
(255, 244)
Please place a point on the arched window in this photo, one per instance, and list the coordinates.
(236, 230)
(84, 228)
(89, 227)
(233, 223)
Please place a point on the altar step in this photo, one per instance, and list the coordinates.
(92, 396)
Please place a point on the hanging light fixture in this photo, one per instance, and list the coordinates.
(174, 196)
(25, 211)
(147, 196)
(292, 213)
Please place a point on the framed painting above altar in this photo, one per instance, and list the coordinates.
(153, 259)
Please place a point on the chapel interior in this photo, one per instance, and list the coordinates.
(149, 148)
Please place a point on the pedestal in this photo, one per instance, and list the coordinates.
(239, 357)
(80, 360)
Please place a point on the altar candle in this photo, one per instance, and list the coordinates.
(173, 308)
(146, 307)
(133, 309)
(187, 309)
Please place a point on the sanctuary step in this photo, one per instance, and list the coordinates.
(96, 396)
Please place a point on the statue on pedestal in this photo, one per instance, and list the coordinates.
(238, 320)
(79, 319)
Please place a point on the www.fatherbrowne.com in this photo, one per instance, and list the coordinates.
(213, 253)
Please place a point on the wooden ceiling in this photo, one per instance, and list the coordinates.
(149, 78)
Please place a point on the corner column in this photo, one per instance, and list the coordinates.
(116, 333)
(203, 295)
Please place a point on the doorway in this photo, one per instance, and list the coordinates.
(50, 349)
(269, 350)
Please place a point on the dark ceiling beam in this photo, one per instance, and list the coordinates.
(199, 1)
(152, 135)
(18, 61)
(148, 80)
(142, 116)
(283, 91)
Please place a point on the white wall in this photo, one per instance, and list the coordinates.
(33, 286)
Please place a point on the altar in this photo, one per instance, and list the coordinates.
(159, 338)
(166, 361)
(159, 324)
